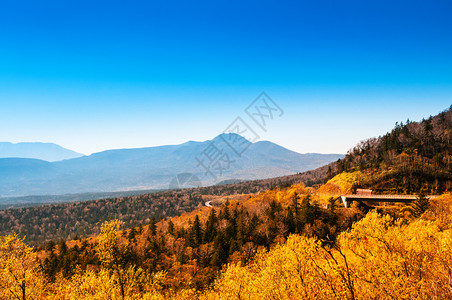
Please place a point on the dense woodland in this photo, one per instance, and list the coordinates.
(71, 220)
(277, 245)
(27, 201)
(79, 219)
(211, 238)
(413, 156)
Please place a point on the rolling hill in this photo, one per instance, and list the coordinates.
(414, 156)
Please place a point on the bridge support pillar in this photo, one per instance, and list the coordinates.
(344, 200)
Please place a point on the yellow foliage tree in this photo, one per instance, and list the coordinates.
(19, 270)
(102, 285)
(340, 184)
(379, 258)
(131, 281)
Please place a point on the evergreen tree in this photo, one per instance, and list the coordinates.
(289, 221)
(195, 233)
(220, 256)
(253, 224)
(171, 227)
(153, 226)
(420, 205)
(62, 247)
(211, 224)
(225, 212)
(132, 234)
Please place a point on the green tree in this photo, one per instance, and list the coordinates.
(420, 205)
(195, 233)
(153, 226)
(171, 227)
(210, 230)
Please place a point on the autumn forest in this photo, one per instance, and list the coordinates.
(283, 238)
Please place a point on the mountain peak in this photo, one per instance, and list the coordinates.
(231, 137)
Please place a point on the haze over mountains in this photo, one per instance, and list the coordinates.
(155, 167)
(44, 151)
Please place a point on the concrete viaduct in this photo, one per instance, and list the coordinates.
(347, 199)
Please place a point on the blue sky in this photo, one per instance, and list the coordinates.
(96, 75)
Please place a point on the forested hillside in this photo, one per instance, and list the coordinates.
(379, 258)
(413, 156)
(80, 219)
(193, 248)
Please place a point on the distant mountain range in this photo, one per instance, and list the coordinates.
(44, 151)
(226, 157)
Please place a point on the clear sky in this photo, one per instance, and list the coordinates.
(96, 75)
